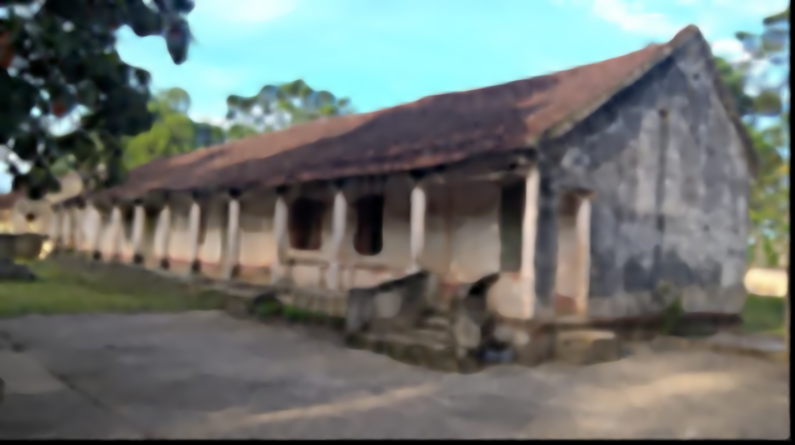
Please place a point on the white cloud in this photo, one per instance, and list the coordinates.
(205, 119)
(760, 8)
(632, 16)
(730, 49)
(242, 11)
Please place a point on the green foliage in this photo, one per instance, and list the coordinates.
(277, 106)
(769, 206)
(173, 132)
(269, 309)
(57, 57)
(297, 315)
(764, 314)
(735, 82)
(240, 131)
(674, 311)
(273, 108)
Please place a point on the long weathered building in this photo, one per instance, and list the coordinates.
(582, 191)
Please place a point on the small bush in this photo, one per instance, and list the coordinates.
(764, 314)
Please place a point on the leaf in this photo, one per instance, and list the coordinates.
(768, 103)
(781, 17)
(178, 37)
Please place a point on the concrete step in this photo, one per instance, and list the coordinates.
(412, 348)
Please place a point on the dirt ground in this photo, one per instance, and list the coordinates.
(206, 375)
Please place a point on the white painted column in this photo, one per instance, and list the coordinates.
(116, 232)
(280, 238)
(194, 223)
(339, 216)
(138, 231)
(529, 231)
(98, 230)
(583, 227)
(163, 234)
(232, 254)
(418, 208)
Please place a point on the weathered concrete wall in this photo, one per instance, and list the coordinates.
(147, 249)
(126, 235)
(179, 242)
(462, 237)
(671, 187)
(39, 210)
(257, 242)
(567, 277)
(162, 235)
(213, 239)
(107, 241)
(475, 232)
(89, 223)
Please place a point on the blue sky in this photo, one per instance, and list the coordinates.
(382, 53)
(386, 52)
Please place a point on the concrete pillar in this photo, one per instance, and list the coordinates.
(529, 231)
(163, 235)
(280, 238)
(583, 228)
(139, 218)
(95, 242)
(418, 208)
(194, 225)
(232, 254)
(116, 232)
(339, 216)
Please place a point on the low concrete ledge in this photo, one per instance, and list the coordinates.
(759, 346)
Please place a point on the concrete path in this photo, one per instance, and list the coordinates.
(206, 375)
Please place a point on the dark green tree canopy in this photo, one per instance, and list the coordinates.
(58, 56)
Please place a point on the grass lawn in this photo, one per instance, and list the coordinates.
(764, 315)
(61, 291)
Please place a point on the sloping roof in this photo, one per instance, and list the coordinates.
(429, 132)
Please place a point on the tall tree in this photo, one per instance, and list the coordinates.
(278, 106)
(59, 56)
(765, 73)
(173, 132)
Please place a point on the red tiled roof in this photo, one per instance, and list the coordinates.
(432, 131)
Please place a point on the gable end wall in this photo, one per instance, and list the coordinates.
(672, 192)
